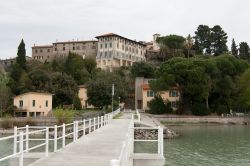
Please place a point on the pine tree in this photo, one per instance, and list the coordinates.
(244, 51)
(218, 40)
(234, 49)
(21, 55)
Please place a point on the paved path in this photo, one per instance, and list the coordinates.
(95, 149)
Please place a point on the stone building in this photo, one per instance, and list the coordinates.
(5, 63)
(153, 48)
(116, 51)
(60, 50)
(33, 104)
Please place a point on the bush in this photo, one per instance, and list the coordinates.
(77, 103)
(9, 122)
(157, 106)
(200, 109)
(63, 116)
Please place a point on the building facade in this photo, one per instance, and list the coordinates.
(82, 94)
(5, 63)
(33, 104)
(143, 94)
(60, 50)
(116, 51)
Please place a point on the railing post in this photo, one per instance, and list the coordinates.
(21, 149)
(47, 142)
(114, 162)
(159, 140)
(98, 122)
(76, 131)
(63, 135)
(55, 138)
(27, 137)
(15, 140)
(94, 124)
(89, 125)
(101, 121)
(162, 142)
(83, 130)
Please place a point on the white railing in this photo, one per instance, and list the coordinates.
(22, 135)
(127, 152)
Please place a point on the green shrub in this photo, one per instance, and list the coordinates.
(200, 109)
(63, 116)
(77, 103)
(157, 106)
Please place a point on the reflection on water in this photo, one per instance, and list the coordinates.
(209, 145)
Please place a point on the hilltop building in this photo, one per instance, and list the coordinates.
(5, 63)
(153, 48)
(60, 50)
(143, 94)
(116, 51)
(33, 104)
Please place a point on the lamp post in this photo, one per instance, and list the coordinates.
(113, 92)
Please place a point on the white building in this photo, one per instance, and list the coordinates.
(116, 51)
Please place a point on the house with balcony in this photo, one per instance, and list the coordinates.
(33, 104)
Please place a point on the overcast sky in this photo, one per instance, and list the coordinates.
(45, 21)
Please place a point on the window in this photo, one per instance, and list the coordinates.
(35, 51)
(77, 47)
(41, 50)
(101, 46)
(33, 103)
(150, 93)
(46, 103)
(173, 93)
(55, 49)
(106, 45)
(63, 48)
(73, 48)
(48, 50)
(110, 45)
(20, 103)
(173, 104)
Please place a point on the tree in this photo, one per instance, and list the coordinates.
(203, 38)
(218, 41)
(234, 49)
(244, 51)
(99, 89)
(21, 55)
(174, 43)
(5, 93)
(189, 44)
(142, 69)
(90, 66)
(244, 84)
(64, 89)
(77, 103)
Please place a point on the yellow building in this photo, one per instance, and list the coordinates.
(82, 94)
(33, 104)
(143, 94)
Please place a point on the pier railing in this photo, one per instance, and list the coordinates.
(128, 147)
(22, 135)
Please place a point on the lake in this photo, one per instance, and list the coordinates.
(209, 145)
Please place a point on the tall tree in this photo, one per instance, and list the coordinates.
(142, 69)
(203, 38)
(234, 49)
(5, 93)
(189, 44)
(244, 51)
(218, 40)
(21, 55)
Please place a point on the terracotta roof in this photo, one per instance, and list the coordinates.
(113, 34)
(42, 93)
(82, 41)
(42, 46)
(145, 86)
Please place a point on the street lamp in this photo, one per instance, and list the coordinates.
(113, 92)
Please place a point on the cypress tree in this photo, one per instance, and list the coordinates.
(21, 55)
(234, 49)
(244, 51)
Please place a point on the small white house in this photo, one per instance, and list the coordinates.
(33, 104)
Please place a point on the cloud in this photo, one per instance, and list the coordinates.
(45, 21)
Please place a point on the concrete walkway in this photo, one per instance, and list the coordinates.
(95, 149)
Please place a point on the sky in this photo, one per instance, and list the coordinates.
(43, 22)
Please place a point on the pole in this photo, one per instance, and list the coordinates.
(113, 92)
(21, 149)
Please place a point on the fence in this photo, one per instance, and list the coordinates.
(22, 135)
(126, 155)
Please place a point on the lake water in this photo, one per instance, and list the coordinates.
(209, 145)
